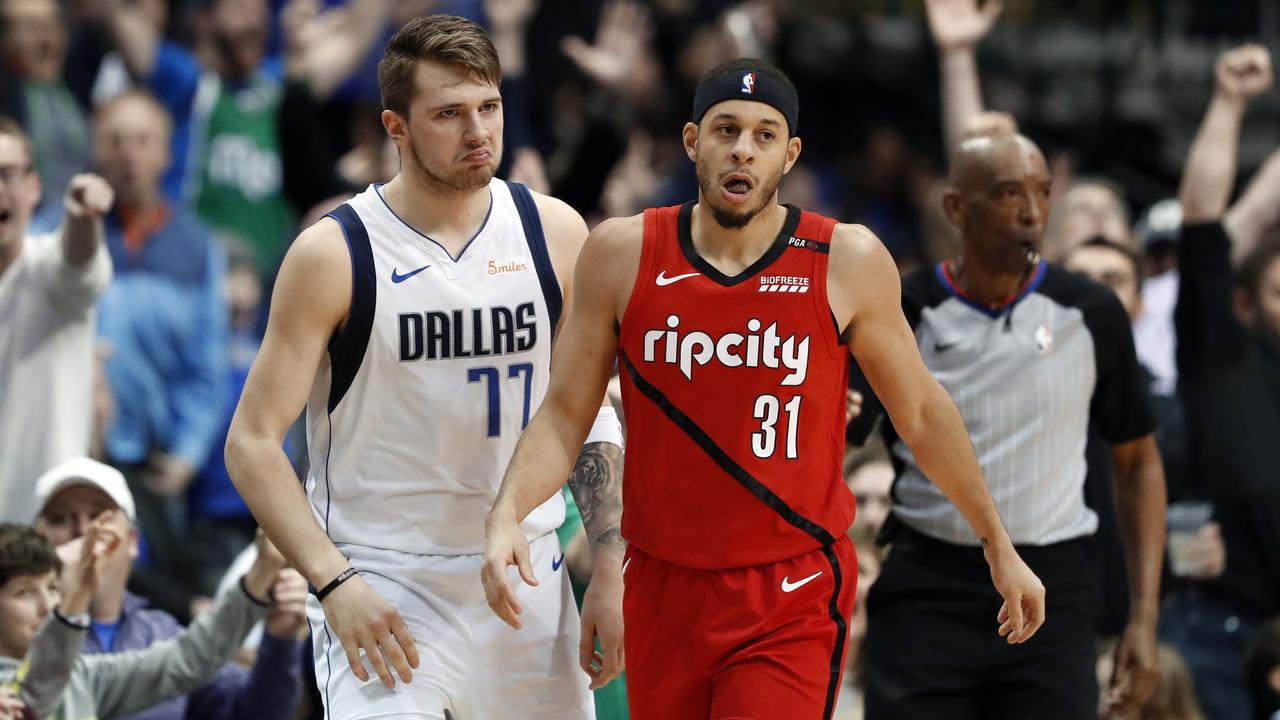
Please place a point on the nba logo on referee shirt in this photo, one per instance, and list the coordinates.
(749, 83)
(1044, 339)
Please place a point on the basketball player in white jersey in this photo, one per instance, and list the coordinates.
(415, 322)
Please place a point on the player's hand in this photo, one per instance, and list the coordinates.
(1244, 72)
(960, 24)
(602, 618)
(504, 544)
(11, 706)
(366, 623)
(1022, 613)
(288, 613)
(88, 197)
(1137, 669)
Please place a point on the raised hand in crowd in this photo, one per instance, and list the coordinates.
(1257, 211)
(957, 26)
(961, 24)
(288, 614)
(507, 15)
(85, 561)
(88, 198)
(323, 47)
(507, 22)
(1244, 72)
(266, 567)
(620, 59)
(633, 180)
(527, 167)
(1241, 74)
(990, 122)
(752, 27)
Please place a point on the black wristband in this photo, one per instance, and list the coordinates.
(253, 598)
(72, 621)
(343, 576)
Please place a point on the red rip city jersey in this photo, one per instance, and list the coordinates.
(734, 390)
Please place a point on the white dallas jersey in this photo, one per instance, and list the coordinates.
(416, 410)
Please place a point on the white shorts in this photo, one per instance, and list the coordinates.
(472, 665)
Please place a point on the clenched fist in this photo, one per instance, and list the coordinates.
(961, 24)
(88, 197)
(1244, 72)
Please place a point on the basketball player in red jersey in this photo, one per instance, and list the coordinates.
(733, 320)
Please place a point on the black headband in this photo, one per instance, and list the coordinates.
(747, 85)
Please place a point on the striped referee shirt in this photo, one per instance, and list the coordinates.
(1028, 379)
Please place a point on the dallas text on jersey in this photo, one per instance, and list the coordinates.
(493, 331)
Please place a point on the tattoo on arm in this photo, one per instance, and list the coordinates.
(596, 482)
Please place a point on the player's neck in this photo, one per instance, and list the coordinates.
(450, 219)
(733, 250)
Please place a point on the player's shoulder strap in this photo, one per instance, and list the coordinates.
(347, 346)
(531, 220)
(813, 232)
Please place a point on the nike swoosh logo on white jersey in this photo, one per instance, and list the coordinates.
(793, 586)
(663, 280)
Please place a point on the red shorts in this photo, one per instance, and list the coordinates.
(761, 642)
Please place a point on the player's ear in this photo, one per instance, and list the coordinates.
(690, 137)
(397, 127)
(953, 207)
(793, 154)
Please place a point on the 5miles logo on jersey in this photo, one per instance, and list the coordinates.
(500, 267)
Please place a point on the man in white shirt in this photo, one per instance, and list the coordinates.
(48, 287)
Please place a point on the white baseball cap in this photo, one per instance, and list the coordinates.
(89, 472)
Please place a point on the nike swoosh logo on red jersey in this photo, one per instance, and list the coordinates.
(663, 280)
(793, 586)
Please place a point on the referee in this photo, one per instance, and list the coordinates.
(1031, 354)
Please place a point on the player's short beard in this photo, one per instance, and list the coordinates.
(730, 219)
(460, 181)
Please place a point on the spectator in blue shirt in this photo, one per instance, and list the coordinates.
(225, 100)
(165, 320)
(221, 524)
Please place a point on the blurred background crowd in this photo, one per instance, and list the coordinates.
(225, 126)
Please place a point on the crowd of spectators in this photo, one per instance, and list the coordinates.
(204, 134)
